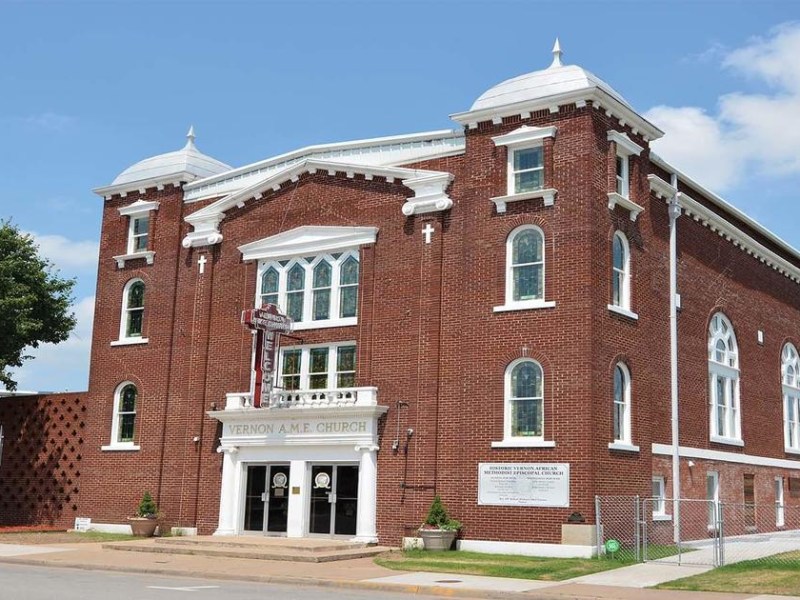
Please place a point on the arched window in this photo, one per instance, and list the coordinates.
(525, 266)
(790, 377)
(348, 288)
(723, 369)
(322, 291)
(622, 405)
(132, 321)
(295, 286)
(123, 427)
(621, 272)
(269, 286)
(524, 400)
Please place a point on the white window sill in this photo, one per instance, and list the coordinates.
(623, 311)
(305, 325)
(724, 440)
(130, 341)
(662, 517)
(615, 199)
(531, 305)
(547, 194)
(120, 448)
(623, 447)
(148, 255)
(524, 443)
(792, 450)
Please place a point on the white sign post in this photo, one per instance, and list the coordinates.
(524, 484)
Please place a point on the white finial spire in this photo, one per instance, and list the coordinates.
(556, 55)
(190, 137)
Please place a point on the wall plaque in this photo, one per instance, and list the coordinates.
(524, 484)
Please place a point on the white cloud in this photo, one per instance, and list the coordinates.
(753, 133)
(64, 366)
(68, 254)
(50, 120)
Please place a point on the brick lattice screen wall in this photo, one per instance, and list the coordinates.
(41, 459)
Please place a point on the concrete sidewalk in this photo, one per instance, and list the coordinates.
(360, 573)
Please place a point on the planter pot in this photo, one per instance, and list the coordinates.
(142, 527)
(437, 540)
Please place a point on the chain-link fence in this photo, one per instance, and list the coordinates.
(634, 529)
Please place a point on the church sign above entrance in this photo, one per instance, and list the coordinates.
(283, 428)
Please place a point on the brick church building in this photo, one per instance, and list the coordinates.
(483, 313)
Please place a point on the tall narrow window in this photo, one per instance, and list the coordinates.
(269, 286)
(527, 168)
(659, 497)
(295, 286)
(123, 425)
(622, 405)
(348, 287)
(525, 266)
(780, 513)
(346, 366)
(723, 369)
(322, 291)
(131, 324)
(290, 369)
(138, 234)
(621, 278)
(712, 495)
(790, 376)
(524, 400)
(622, 176)
(318, 368)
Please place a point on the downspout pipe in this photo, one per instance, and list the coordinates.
(674, 210)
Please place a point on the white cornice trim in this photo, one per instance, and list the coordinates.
(734, 457)
(624, 144)
(615, 199)
(597, 96)
(308, 239)
(547, 194)
(429, 188)
(140, 207)
(661, 188)
(123, 189)
(524, 135)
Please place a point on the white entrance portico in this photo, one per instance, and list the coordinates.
(325, 437)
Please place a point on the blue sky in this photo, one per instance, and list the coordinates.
(90, 88)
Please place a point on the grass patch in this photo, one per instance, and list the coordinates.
(779, 575)
(61, 537)
(497, 565)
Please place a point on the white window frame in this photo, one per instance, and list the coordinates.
(660, 499)
(790, 384)
(622, 307)
(115, 443)
(528, 441)
(624, 442)
(140, 209)
(124, 339)
(307, 321)
(305, 364)
(780, 506)
(623, 180)
(721, 330)
(510, 303)
(713, 500)
(511, 173)
(133, 236)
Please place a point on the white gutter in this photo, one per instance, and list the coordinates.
(674, 209)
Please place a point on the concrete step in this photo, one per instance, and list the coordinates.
(281, 544)
(251, 551)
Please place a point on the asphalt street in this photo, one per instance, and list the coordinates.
(21, 582)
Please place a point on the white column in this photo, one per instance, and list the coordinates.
(296, 523)
(228, 493)
(366, 526)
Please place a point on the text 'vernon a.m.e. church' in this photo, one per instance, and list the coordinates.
(488, 314)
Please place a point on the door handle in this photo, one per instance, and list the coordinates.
(331, 498)
(264, 497)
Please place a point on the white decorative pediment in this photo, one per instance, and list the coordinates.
(524, 135)
(308, 239)
(625, 145)
(138, 208)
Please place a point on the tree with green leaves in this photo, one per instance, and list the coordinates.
(34, 301)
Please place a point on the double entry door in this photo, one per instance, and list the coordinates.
(266, 507)
(334, 500)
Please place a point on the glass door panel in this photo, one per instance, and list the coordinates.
(346, 500)
(254, 498)
(322, 499)
(278, 503)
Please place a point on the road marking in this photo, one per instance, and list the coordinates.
(193, 588)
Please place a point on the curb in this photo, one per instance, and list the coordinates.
(308, 581)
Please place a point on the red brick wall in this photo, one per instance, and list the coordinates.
(42, 459)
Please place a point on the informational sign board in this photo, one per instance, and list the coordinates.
(524, 484)
(83, 524)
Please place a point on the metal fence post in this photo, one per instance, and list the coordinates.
(637, 538)
(598, 525)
